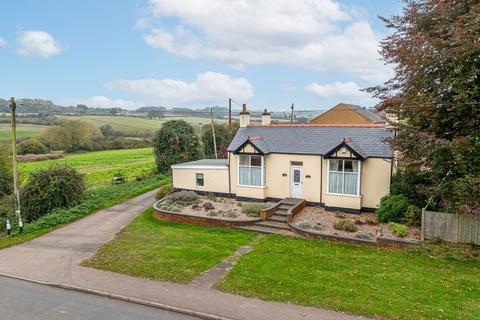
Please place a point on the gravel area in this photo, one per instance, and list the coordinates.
(317, 219)
(223, 208)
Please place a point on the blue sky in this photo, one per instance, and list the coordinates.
(193, 52)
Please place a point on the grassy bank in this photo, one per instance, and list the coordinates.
(396, 284)
(23, 131)
(150, 248)
(96, 199)
(99, 167)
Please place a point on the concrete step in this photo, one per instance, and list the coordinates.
(273, 224)
(285, 206)
(281, 212)
(278, 218)
(266, 230)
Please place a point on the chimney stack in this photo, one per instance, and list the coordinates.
(266, 119)
(244, 117)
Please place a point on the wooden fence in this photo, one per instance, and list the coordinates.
(456, 228)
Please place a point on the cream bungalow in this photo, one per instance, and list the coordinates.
(347, 167)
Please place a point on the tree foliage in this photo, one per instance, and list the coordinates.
(71, 136)
(32, 146)
(175, 142)
(6, 175)
(223, 137)
(435, 93)
(55, 187)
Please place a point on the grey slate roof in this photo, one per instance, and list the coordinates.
(370, 115)
(203, 163)
(317, 140)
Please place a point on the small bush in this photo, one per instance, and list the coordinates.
(32, 146)
(230, 214)
(253, 209)
(55, 187)
(186, 196)
(318, 226)
(304, 225)
(208, 206)
(164, 191)
(393, 208)
(345, 225)
(213, 213)
(211, 196)
(340, 215)
(413, 216)
(398, 229)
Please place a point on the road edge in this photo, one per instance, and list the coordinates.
(104, 294)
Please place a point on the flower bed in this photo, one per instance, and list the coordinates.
(188, 207)
(344, 226)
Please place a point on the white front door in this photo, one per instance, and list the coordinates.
(297, 182)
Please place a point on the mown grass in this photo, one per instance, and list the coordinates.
(420, 283)
(95, 199)
(99, 167)
(23, 131)
(154, 249)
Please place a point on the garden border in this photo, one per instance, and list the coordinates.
(165, 215)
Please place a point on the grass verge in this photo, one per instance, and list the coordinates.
(154, 249)
(96, 199)
(425, 283)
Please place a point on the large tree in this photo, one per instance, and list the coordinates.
(435, 93)
(175, 142)
(223, 137)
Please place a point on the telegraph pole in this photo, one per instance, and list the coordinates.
(13, 107)
(291, 116)
(213, 132)
(229, 115)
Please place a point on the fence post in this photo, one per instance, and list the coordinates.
(422, 231)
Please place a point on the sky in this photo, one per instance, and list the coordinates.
(193, 53)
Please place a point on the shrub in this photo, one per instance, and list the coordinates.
(253, 209)
(184, 196)
(393, 208)
(6, 176)
(364, 235)
(213, 213)
(211, 196)
(304, 225)
(230, 214)
(345, 225)
(398, 229)
(410, 183)
(413, 216)
(55, 187)
(32, 146)
(208, 206)
(318, 226)
(164, 191)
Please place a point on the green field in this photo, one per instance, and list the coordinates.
(23, 130)
(99, 167)
(129, 123)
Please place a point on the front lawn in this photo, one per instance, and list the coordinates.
(168, 251)
(397, 284)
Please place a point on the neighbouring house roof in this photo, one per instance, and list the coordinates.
(366, 140)
(367, 113)
(202, 164)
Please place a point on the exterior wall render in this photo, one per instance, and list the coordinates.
(215, 180)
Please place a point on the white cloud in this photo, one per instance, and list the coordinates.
(321, 35)
(348, 92)
(3, 42)
(37, 43)
(208, 88)
(104, 102)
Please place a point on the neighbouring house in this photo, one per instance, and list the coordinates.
(344, 113)
(346, 167)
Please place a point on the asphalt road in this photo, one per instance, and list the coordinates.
(21, 300)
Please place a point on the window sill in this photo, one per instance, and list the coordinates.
(256, 187)
(344, 195)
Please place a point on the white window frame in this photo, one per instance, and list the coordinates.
(262, 167)
(343, 177)
(196, 179)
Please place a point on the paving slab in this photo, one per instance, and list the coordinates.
(55, 259)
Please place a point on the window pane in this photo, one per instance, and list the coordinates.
(351, 180)
(256, 176)
(256, 161)
(200, 180)
(296, 176)
(244, 176)
(335, 181)
(351, 166)
(244, 160)
(335, 165)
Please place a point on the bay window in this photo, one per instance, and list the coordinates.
(251, 171)
(344, 176)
